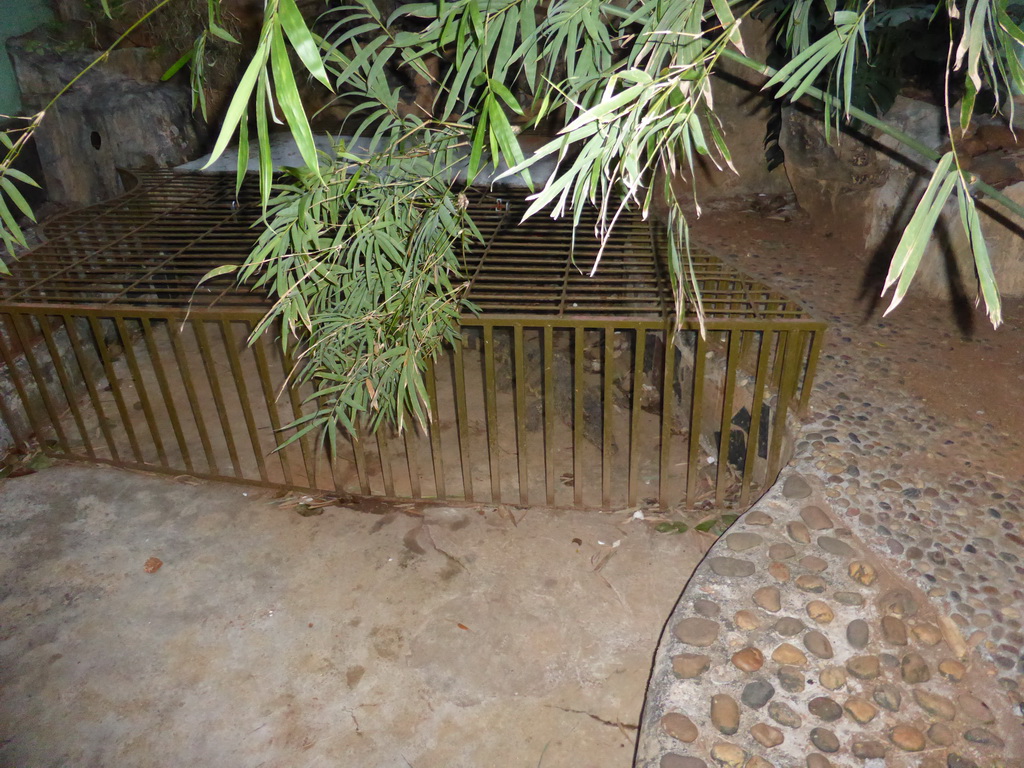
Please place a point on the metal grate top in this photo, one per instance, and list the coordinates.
(150, 246)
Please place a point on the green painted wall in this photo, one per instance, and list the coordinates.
(16, 18)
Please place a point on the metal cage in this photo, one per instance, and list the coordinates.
(566, 390)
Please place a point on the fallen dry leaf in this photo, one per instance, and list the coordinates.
(153, 565)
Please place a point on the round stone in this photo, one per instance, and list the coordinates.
(707, 608)
(731, 567)
(783, 714)
(749, 659)
(818, 761)
(767, 736)
(820, 611)
(914, 669)
(863, 573)
(857, 633)
(689, 665)
(898, 602)
(941, 734)
(757, 517)
(789, 654)
(959, 761)
(933, 704)
(833, 678)
(869, 750)
(926, 633)
(781, 551)
(725, 713)
(768, 598)
(975, 709)
(813, 564)
(815, 518)
(795, 487)
(728, 755)
(758, 693)
(983, 736)
(894, 631)
(824, 740)
(779, 572)
(864, 667)
(679, 727)
(907, 738)
(672, 760)
(746, 620)
(791, 678)
(818, 644)
(758, 762)
(798, 532)
(809, 583)
(952, 669)
(849, 598)
(825, 709)
(860, 710)
(888, 696)
(697, 631)
(834, 546)
(788, 626)
(742, 541)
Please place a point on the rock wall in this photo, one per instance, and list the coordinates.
(119, 115)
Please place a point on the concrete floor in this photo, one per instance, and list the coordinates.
(448, 637)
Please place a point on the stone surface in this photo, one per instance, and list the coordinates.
(725, 714)
(679, 727)
(941, 734)
(888, 696)
(836, 546)
(857, 633)
(789, 654)
(788, 626)
(824, 739)
(783, 714)
(809, 583)
(795, 487)
(914, 669)
(746, 620)
(860, 710)
(791, 678)
(672, 760)
(749, 659)
(825, 709)
(768, 598)
(869, 750)
(832, 678)
(742, 541)
(729, 755)
(688, 665)
(934, 704)
(894, 631)
(818, 761)
(818, 644)
(815, 518)
(758, 693)
(766, 735)
(952, 669)
(731, 567)
(862, 573)
(697, 631)
(907, 738)
(820, 611)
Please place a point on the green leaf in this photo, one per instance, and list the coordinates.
(302, 42)
(176, 66)
(288, 97)
(706, 526)
(240, 100)
(223, 34)
(16, 197)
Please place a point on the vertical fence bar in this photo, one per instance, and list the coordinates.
(140, 388)
(190, 394)
(549, 415)
(668, 392)
(9, 361)
(577, 416)
(639, 355)
(754, 435)
(606, 423)
(359, 453)
(411, 462)
(725, 433)
(115, 387)
(270, 401)
(308, 455)
(26, 345)
(384, 454)
(696, 420)
(787, 391)
(90, 387)
(65, 382)
(243, 398)
(435, 432)
(818, 337)
(462, 417)
(165, 391)
(213, 378)
(520, 411)
(491, 409)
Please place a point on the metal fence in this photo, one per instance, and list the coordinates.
(565, 391)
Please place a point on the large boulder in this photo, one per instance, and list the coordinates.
(119, 115)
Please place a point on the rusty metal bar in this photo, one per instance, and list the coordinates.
(33, 365)
(140, 388)
(667, 399)
(639, 355)
(385, 462)
(491, 409)
(243, 397)
(12, 371)
(725, 430)
(462, 417)
(549, 415)
(193, 400)
(65, 382)
(754, 434)
(696, 420)
(606, 423)
(577, 416)
(440, 488)
(270, 401)
(93, 392)
(165, 391)
(818, 339)
(410, 460)
(520, 413)
(213, 379)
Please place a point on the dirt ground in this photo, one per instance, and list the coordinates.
(949, 357)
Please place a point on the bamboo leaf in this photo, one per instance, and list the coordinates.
(302, 41)
(291, 102)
